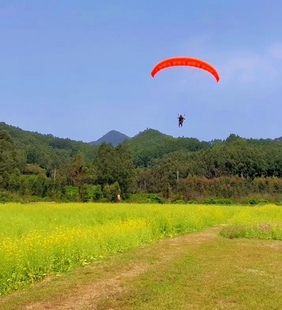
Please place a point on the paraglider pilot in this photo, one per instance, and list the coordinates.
(181, 119)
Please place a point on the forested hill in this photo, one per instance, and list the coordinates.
(112, 137)
(145, 148)
(44, 166)
(46, 150)
(152, 144)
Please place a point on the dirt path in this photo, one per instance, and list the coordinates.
(113, 275)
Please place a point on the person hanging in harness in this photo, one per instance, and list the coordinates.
(181, 119)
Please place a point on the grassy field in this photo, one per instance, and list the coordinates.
(41, 240)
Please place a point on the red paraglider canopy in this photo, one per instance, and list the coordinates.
(185, 61)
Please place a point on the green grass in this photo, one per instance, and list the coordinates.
(198, 271)
(39, 240)
(255, 223)
(215, 275)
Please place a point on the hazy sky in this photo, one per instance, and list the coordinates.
(78, 69)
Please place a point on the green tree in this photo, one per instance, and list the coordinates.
(9, 155)
(110, 192)
(77, 172)
(124, 169)
(114, 165)
(106, 164)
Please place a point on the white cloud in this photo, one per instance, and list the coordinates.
(247, 67)
(275, 51)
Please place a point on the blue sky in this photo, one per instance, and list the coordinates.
(78, 69)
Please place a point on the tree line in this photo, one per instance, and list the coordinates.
(176, 169)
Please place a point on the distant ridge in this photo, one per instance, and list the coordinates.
(112, 137)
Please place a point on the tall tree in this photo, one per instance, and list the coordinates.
(114, 165)
(9, 155)
(106, 164)
(125, 169)
(77, 173)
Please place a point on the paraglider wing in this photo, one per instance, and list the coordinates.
(185, 61)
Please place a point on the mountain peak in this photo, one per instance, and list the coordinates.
(113, 137)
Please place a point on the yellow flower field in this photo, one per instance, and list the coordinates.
(37, 240)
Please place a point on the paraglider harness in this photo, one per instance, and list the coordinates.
(181, 119)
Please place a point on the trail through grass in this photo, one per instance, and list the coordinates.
(40, 240)
(199, 271)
